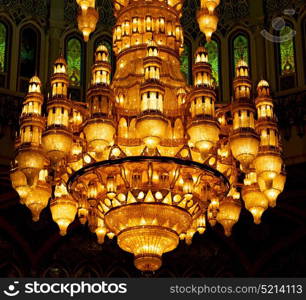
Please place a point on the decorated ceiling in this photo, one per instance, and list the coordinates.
(229, 11)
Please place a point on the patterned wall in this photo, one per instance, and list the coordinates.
(275, 6)
(228, 11)
(21, 9)
(105, 8)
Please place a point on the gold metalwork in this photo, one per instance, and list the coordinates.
(147, 158)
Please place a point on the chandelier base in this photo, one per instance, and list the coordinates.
(147, 263)
(148, 243)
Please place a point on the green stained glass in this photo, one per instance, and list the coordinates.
(213, 58)
(3, 33)
(185, 62)
(287, 51)
(241, 49)
(74, 59)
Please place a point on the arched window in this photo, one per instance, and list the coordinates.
(287, 51)
(240, 49)
(29, 56)
(74, 54)
(213, 50)
(4, 45)
(186, 65)
(286, 57)
(74, 61)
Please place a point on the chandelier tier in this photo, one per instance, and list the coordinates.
(147, 158)
(87, 17)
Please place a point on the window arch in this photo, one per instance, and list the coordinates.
(287, 51)
(4, 52)
(3, 47)
(213, 50)
(286, 66)
(74, 61)
(74, 54)
(240, 49)
(186, 62)
(28, 55)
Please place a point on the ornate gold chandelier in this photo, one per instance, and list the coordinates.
(87, 17)
(147, 158)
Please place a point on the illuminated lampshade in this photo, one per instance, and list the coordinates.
(34, 85)
(229, 212)
(151, 129)
(207, 22)
(37, 199)
(204, 134)
(146, 232)
(277, 187)
(87, 21)
(102, 53)
(210, 4)
(57, 144)
(100, 230)
(82, 215)
(242, 68)
(75, 158)
(151, 125)
(201, 224)
(255, 201)
(63, 209)
(224, 162)
(244, 146)
(263, 88)
(201, 55)
(99, 134)
(268, 165)
(19, 183)
(86, 3)
(30, 162)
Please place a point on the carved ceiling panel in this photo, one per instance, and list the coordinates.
(228, 11)
(105, 7)
(21, 9)
(276, 6)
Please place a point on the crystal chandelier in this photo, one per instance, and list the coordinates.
(87, 17)
(207, 18)
(147, 158)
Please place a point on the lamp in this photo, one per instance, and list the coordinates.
(87, 21)
(147, 158)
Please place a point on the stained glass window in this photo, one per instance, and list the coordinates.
(74, 61)
(287, 51)
(240, 50)
(3, 45)
(213, 58)
(185, 62)
(28, 52)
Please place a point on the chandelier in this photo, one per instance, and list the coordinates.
(148, 159)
